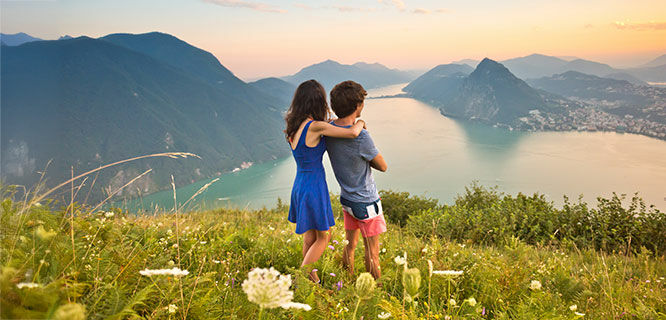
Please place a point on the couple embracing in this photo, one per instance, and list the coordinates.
(311, 132)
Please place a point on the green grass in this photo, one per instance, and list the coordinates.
(99, 267)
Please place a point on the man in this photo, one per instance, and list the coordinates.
(352, 160)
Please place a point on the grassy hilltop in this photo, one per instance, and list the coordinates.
(521, 258)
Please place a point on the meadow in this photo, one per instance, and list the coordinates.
(486, 256)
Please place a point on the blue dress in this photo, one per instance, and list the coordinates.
(310, 206)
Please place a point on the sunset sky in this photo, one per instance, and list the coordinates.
(275, 38)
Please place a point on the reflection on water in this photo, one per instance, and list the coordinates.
(429, 154)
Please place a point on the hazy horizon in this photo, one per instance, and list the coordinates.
(257, 39)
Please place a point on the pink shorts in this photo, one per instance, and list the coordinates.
(369, 228)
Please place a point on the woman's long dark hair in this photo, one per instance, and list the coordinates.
(309, 101)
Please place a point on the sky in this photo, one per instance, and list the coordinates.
(262, 38)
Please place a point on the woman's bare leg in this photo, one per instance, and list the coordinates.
(315, 251)
(309, 238)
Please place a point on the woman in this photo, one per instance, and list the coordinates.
(310, 208)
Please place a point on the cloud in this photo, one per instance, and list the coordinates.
(652, 25)
(303, 6)
(352, 9)
(588, 26)
(421, 11)
(397, 3)
(246, 4)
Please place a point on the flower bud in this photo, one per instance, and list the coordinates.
(70, 311)
(411, 280)
(365, 284)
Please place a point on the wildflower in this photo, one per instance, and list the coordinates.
(535, 285)
(109, 214)
(331, 247)
(411, 280)
(332, 274)
(335, 241)
(365, 285)
(216, 261)
(296, 305)
(176, 272)
(172, 308)
(573, 307)
(384, 315)
(339, 285)
(430, 267)
(271, 228)
(471, 301)
(579, 314)
(424, 250)
(43, 234)
(175, 245)
(451, 273)
(345, 242)
(267, 288)
(70, 311)
(203, 242)
(27, 285)
(452, 302)
(400, 260)
(171, 263)
(37, 204)
(288, 240)
(384, 251)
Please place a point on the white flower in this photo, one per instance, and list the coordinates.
(108, 214)
(176, 272)
(267, 288)
(573, 307)
(296, 305)
(271, 228)
(27, 285)
(452, 273)
(173, 308)
(452, 302)
(216, 261)
(535, 285)
(399, 260)
(384, 315)
(203, 242)
(345, 242)
(175, 245)
(430, 267)
(471, 301)
(424, 250)
(579, 314)
(171, 263)
(383, 249)
(37, 204)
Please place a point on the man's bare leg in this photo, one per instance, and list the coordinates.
(372, 256)
(348, 251)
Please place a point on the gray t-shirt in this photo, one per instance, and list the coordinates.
(350, 159)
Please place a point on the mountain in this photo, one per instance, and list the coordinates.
(534, 65)
(491, 93)
(86, 102)
(658, 61)
(627, 77)
(440, 83)
(282, 90)
(470, 62)
(329, 73)
(66, 37)
(650, 74)
(17, 39)
(614, 96)
(588, 67)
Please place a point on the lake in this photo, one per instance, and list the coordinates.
(434, 156)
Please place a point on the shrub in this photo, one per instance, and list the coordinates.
(399, 206)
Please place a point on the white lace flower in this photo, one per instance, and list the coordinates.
(450, 273)
(535, 285)
(573, 307)
(109, 214)
(173, 308)
(399, 260)
(384, 315)
(296, 305)
(267, 288)
(176, 272)
(27, 285)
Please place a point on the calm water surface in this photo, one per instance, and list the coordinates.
(429, 154)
